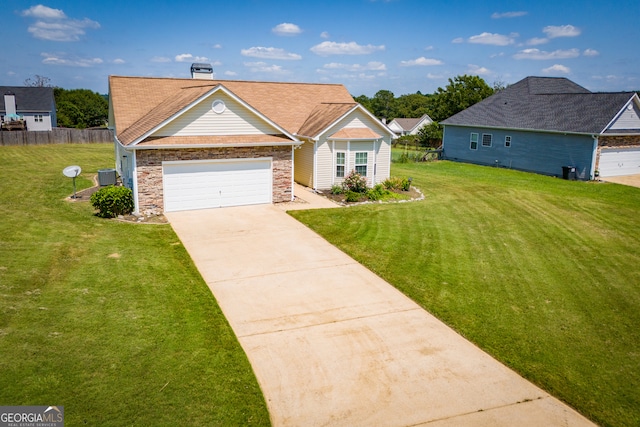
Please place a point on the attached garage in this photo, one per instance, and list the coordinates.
(204, 184)
(619, 161)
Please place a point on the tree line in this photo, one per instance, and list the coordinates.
(75, 108)
(460, 93)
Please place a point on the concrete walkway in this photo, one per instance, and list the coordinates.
(332, 344)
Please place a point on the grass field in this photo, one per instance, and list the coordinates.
(110, 320)
(542, 273)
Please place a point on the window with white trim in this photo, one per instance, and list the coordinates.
(487, 138)
(340, 163)
(38, 118)
(507, 141)
(473, 141)
(361, 163)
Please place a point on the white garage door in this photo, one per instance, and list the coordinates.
(619, 161)
(199, 184)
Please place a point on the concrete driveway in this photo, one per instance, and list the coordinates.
(332, 344)
(631, 180)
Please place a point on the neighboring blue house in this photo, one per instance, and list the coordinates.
(549, 126)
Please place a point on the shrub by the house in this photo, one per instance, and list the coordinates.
(112, 201)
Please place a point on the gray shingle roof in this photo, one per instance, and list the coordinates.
(29, 99)
(547, 104)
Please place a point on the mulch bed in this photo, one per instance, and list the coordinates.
(413, 194)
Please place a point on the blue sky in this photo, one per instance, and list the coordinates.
(403, 46)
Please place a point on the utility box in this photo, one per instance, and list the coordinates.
(106, 177)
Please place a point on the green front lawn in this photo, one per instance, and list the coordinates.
(110, 320)
(542, 273)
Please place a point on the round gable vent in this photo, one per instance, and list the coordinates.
(218, 106)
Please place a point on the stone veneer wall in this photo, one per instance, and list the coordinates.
(149, 166)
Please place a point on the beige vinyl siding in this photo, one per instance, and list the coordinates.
(303, 161)
(383, 160)
(202, 120)
(361, 147)
(324, 163)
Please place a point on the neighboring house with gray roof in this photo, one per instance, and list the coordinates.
(549, 125)
(409, 126)
(200, 143)
(35, 106)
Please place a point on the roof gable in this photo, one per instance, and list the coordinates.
(29, 99)
(628, 119)
(546, 104)
(140, 104)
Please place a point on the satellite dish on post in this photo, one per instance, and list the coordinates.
(72, 172)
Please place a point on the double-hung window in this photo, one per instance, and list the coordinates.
(473, 144)
(38, 118)
(340, 164)
(361, 163)
(507, 141)
(487, 138)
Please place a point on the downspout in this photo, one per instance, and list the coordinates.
(592, 173)
(134, 162)
(373, 181)
(293, 165)
(315, 165)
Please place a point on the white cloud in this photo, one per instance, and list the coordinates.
(70, 61)
(493, 39)
(217, 46)
(118, 61)
(496, 55)
(369, 66)
(161, 59)
(517, 14)
(590, 52)
(477, 70)
(54, 25)
(270, 53)
(286, 29)
(422, 61)
(537, 41)
(351, 48)
(553, 31)
(187, 57)
(457, 40)
(263, 67)
(428, 48)
(557, 68)
(324, 34)
(538, 54)
(43, 12)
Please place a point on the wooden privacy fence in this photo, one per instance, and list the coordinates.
(56, 136)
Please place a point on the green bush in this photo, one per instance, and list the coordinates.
(405, 184)
(377, 192)
(393, 183)
(112, 201)
(336, 189)
(352, 196)
(354, 182)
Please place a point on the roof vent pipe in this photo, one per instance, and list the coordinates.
(201, 71)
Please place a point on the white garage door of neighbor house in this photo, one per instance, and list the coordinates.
(190, 185)
(619, 161)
